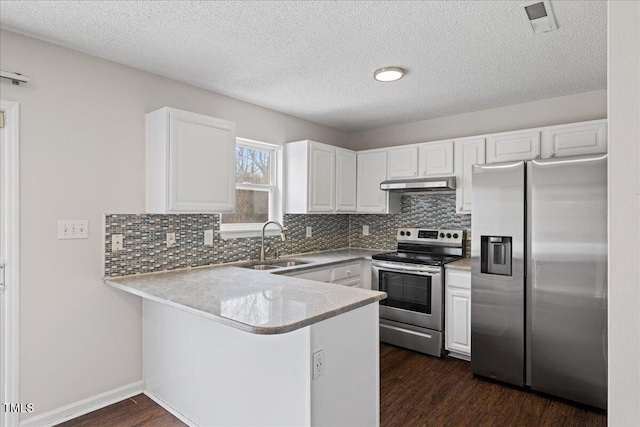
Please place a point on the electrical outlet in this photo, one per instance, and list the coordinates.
(117, 242)
(318, 364)
(73, 229)
(171, 239)
(309, 232)
(365, 230)
(208, 237)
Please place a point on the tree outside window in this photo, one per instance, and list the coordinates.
(255, 184)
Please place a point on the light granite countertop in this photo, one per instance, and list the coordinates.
(258, 302)
(461, 264)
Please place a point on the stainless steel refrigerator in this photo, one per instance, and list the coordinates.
(539, 275)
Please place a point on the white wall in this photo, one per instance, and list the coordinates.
(548, 112)
(82, 154)
(624, 213)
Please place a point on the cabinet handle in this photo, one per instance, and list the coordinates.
(348, 272)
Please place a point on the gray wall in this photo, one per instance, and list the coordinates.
(548, 112)
(82, 154)
(624, 213)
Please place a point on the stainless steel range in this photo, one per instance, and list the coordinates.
(412, 315)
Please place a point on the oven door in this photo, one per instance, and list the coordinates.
(414, 293)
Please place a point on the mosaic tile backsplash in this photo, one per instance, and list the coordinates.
(432, 211)
(145, 248)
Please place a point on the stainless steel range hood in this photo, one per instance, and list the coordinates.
(421, 185)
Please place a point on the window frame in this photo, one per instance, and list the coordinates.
(235, 230)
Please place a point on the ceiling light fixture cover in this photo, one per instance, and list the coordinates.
(388, 74)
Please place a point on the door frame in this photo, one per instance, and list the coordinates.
(10, 242)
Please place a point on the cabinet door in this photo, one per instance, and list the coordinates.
(575, 139)
(505, 147)
(372, 170)
(345, 181)
(403, 162)
(469, 152)
(458, 321)
(436, 158)
(322, 178)
(201, 163)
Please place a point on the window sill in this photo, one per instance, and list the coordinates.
(235, 233)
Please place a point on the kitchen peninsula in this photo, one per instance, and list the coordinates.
(226, 345)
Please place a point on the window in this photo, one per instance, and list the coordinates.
(256, 189)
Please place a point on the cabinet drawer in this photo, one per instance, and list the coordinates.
(353, 282)
(321, 275)
(346, 271)
(458, 278)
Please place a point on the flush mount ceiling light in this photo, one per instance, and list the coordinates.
(388, 74)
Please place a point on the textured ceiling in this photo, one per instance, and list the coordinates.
(315, 59)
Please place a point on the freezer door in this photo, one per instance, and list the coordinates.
(567, 278)
(497, 271)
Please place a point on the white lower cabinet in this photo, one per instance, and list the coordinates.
(356, 274)
(458, 313)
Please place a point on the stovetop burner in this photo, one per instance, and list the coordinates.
(426, 247)
(416, 258)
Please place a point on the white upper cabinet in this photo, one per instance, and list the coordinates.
(468, 152)
(403, 162)
(436, 158)
(511, 146)
(346, 161)
(575, 139)
(190, 163)
(320, 178)
(372, 170)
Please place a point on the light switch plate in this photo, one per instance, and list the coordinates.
(309, 232)
(365, 230)
(73, 229)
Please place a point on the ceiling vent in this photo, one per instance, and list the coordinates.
(539, 16)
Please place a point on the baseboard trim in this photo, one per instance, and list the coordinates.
(84, 406)
(169, 409)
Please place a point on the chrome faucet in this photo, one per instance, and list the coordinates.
(282, 236)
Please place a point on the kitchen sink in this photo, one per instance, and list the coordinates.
(270, 265)
(289, 263)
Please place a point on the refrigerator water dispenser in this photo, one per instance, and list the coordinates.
(495, 255)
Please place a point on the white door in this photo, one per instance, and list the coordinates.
(436, 158)
(403, 162)
(9, 202)
(202, 164)
(372, 170)
(575, 139)
(345, 181)
(458, 320)
(468, 152)
(322, 178)
(509, 146)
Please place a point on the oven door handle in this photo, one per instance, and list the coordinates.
(407, 267)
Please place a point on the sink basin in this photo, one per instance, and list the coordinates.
(270, 265)
(289, 263)
(259, 266)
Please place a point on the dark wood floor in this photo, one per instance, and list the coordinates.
(415, 390)
(418, 390)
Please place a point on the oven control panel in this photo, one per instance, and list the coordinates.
(425, 235)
